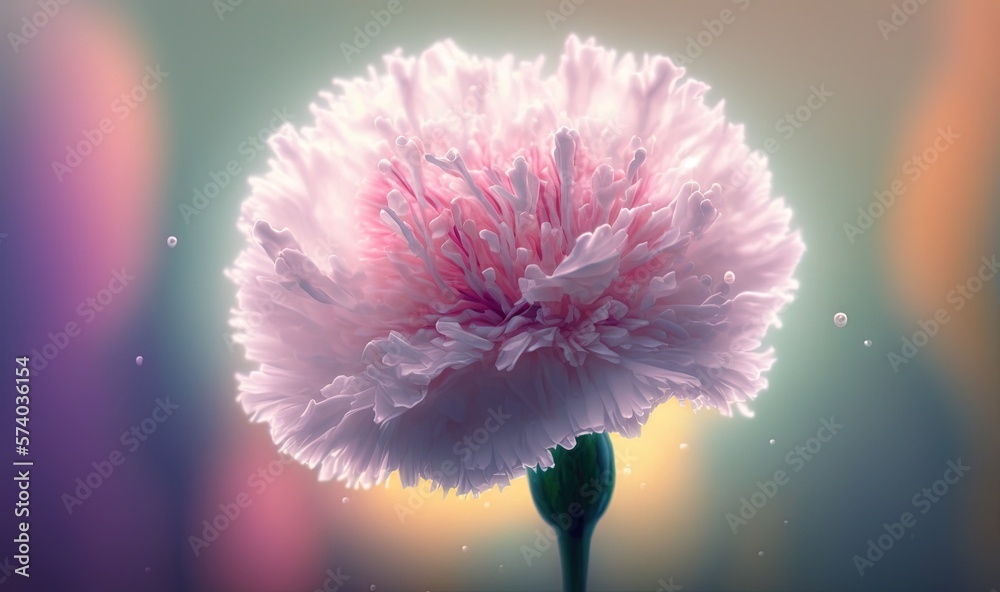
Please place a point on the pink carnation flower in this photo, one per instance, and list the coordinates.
(464, 263)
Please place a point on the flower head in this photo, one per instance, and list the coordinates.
(464, 263)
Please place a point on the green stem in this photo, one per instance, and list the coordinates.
(572, 495)
(574, 550)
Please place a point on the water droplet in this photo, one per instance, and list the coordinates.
(868, 342)
(465, 548)
(771, 440)
(729, 277)
(840, 319)
(760, 553)
(171, 241)
(138, 360)
(684, 445)
(486, 505)
(346, 500)
(627, 470)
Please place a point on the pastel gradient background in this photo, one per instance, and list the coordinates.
(62, 239)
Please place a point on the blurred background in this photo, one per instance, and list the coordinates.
(124, 123)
